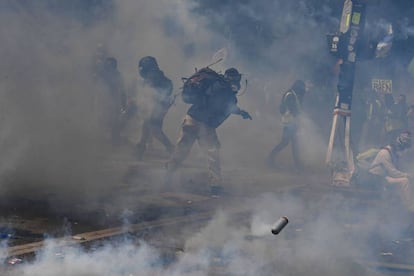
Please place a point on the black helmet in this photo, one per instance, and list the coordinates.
(234, 77)
(403, 140)
(232, 74)
(299, 87)
(147, 64)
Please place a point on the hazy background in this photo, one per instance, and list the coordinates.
(52, 136)
(53, 141)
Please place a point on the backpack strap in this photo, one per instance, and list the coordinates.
(293, 93)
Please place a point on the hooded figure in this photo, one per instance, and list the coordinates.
(162, 100)
(117, 103)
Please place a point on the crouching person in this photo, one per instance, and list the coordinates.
(385, 168)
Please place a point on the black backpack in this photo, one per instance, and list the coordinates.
(195, 86)
(282, 106)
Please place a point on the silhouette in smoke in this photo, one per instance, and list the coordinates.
(396, 117)
(290, 108)
(162, 101)
(410, 117)
(375, 115)
(118, 103)
(98, 60)
(213, 99)
(403, 109)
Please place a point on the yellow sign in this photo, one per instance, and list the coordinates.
(382, 86)
(356, 18)
(348, 17)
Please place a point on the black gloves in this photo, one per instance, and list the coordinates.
(245, 115)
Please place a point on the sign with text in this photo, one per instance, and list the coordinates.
(382, 86)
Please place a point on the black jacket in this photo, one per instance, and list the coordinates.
(113, 81)
(162, 85)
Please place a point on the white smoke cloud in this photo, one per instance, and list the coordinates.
(322, 246)
(53, 134)
(53, 139)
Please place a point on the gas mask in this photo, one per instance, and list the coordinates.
(233, 77)
(235, 87)
(403, 141)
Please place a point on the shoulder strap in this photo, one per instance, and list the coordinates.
(292, 92)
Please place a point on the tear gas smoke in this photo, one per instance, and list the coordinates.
(221, 247)
(53, 133)
(54, 139)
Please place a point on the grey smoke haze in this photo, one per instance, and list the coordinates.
(52, 133)
(321, 245)
(51, 127)
(53, 140)
(53, 136)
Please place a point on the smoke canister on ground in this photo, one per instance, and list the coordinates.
(279, 225)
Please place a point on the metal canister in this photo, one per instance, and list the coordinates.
(279, 225)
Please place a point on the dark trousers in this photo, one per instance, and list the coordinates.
(289, 136)
(191, 131)
(152, 127)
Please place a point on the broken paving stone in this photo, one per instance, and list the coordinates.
(5, 235)
(403, 240)
(6, 232)
(179, 251)
(14, 261)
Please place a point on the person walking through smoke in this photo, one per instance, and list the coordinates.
(117, 104)
(162, 101)
(213, 99)
(290, 108)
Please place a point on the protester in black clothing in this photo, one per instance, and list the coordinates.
(373, 128)
(117, 97)
(396, 117)
(161, 102)
(211, 106)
